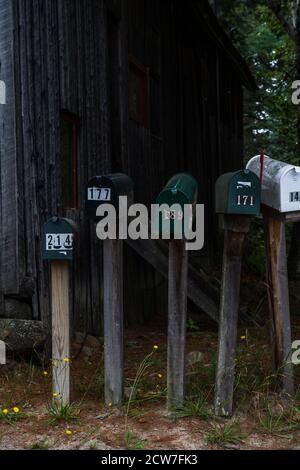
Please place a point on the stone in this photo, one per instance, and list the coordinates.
(194, 357)
(16, 309)
(23, 336)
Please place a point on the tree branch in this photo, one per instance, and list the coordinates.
(275, 7)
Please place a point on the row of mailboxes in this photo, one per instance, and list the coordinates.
(239, 192)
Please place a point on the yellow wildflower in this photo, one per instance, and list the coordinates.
(155, 347)
(66, 360)
(68, 432)
(45, 373)
(243, 338)
(110, 404)
(159, 376)
(55, 394)
(5, 411)
(16, 409)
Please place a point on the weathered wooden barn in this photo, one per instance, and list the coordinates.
(146, 87)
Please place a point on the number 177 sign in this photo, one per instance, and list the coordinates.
(99, 194)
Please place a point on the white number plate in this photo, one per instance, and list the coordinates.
(245, 200)
(59, 241)
(295, 197)
(99, 194)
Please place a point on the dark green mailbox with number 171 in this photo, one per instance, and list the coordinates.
(238, 193)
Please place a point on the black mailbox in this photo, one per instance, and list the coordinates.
(107, 189)
(58, 239)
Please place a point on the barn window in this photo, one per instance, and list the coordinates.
(69, 136)
(138, 93)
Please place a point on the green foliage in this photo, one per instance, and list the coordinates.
(133, 442)
(222, 434)
(59, 412)
(270, 116)
(194, 408)
(11, 416)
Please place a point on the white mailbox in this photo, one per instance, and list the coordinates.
(280, 185)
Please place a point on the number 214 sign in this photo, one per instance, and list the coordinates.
(61, 242)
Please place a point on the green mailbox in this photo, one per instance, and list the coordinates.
(177, 203)
(238, 193)
(58, 239)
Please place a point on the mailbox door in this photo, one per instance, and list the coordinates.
(290, 191)
(58, 239)
(244, 193)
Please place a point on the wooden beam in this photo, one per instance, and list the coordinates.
(177, 307)
(278, 296)
(60, 331)
(151, 252)
(235, 230)
(113, 320)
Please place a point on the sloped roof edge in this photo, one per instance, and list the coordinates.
(224, 42)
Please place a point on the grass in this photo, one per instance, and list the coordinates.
(130, 440)
(224, 434)
(40, 445)
(280, 422)
(193, 409)
(133, 442)
(12, 415)
(59, 412)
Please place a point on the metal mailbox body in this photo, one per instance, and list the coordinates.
(280, 185)
(107, 189)
(58, 239)
(181, 190)
(238, 193)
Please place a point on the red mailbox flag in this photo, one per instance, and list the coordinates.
(262, 157)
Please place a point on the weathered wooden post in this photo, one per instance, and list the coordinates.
(177, 202)
(280, 205)
(57, 247)
(237, 200)
(107, 190)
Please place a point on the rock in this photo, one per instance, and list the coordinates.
(194, 357)
(79, 337)
(23, 336)
(87, 352)
(16, 309)
(92, 341)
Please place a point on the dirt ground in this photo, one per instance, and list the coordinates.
(263, 419)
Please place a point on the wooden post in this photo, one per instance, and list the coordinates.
(60, 331)
(113, 320)
(178, 270)
(278, 296)
(235, 229)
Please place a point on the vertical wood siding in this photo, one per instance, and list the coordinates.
(73, 55)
